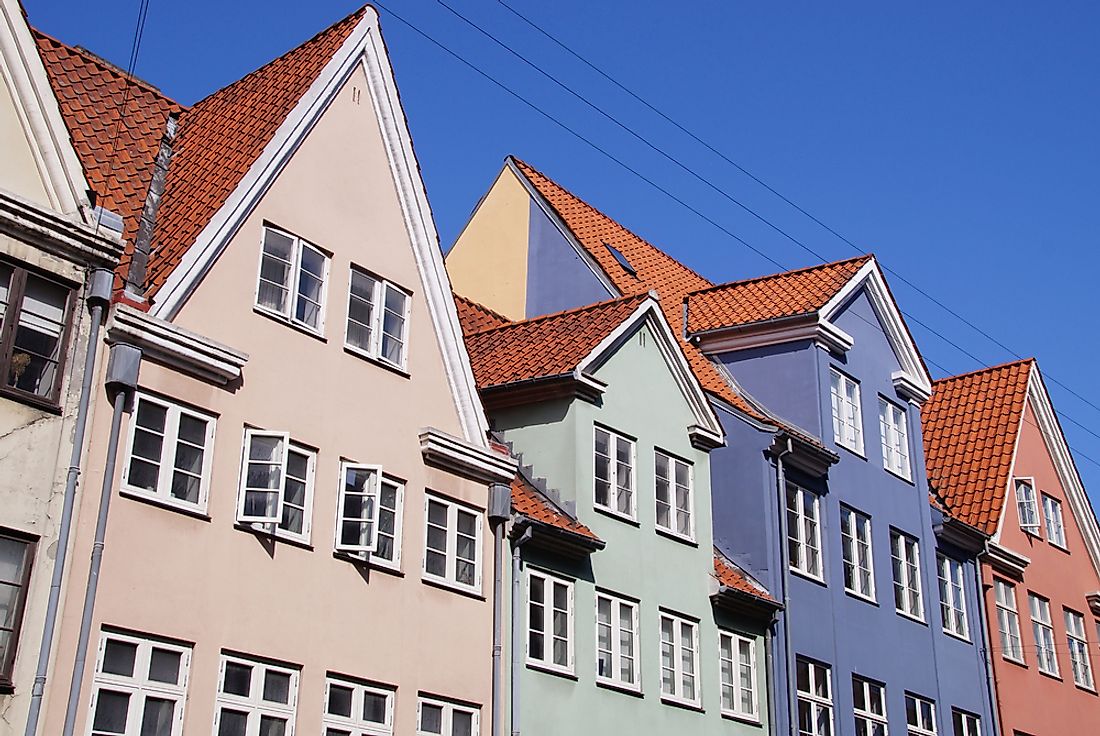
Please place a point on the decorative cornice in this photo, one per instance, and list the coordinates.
(775, 332)
(910, 389)
(1093, 599)
(704, 439)
(56, 234)
(166, 343)
(1004, 560)
(961, 535)
(555, 540)
(462, 458)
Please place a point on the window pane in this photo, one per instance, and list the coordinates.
(110, 712)
(12, 554)
(339, 700)
(232, 723)
(238, 679)
(37, 345)
(164, 666)
(271, 726)
(156, 720)
(431, 718)
(276, 687)
(374, 708)
(119, 657)
(462, 723)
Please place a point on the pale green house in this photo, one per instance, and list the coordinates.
(627, 620)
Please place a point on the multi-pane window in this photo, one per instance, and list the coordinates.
(255, 698)
(905, 554)
(920, 716)
(815, 698)
(614, 472)
(34, 316)
(1008, 621)
(16, 556)
(170, 449)
(1052, 515)
(387, 546)
(356, 709)
(803, 531)
(276, 484)
(292, 279)
(855, 536)
(357, 509)
(952, 596)
(679, 659)
(1027, 507)
(737, 664)
(616, 641)
(894, 433)
(674, 495)
(441, 718)
(1043, 629)
(1078, 648)
(847, 415)
(452, 541)
(869, 707)
(378, 316)
(549, 621)
(965, 724)
(140, 686)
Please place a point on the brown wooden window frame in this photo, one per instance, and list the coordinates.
(7, 667)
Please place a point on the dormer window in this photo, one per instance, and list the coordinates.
(894, 432)
(292, 281)
(847, 414)
(1027, 507)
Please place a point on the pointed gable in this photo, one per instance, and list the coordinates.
(476, 317)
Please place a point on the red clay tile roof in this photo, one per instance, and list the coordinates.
(543, 347)
(476, 317)
(788, 294)
(530, 502)
(970, 427)
(731, 576)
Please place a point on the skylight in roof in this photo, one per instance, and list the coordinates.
(621, 259)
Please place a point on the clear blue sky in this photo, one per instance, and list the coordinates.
(958, 141)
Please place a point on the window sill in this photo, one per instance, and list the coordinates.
(616, 515)
(551, 670)
(30, 399)
(1085, 688)
(911, 617)
(7, 689)
(367, 562)
(285, 321)
(1014, 661)
(199, 514)
(676, 537)
(861, 598)
(851, 451)
(452, 587)
(620, 688)
(356, 352)
(685, 704)
(808, 577)
(252, 528)
(740, 718)
(1059, 547)
(959, 637)
(1051, 675)
(905, 478)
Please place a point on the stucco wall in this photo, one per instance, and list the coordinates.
(20, 173)
(557, 277)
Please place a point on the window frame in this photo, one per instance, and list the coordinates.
(613, 474)
(256, 705)
(616, 681)
(446, 723)
(1031, 503)
(398, 523)
(1078, 644)
(965, 724)
(679, 648)
(920, 729)
(1050, 504)
(1008, 616)
(838, 398)
(952, 585)
(888, 414)
(817, 702)
(357, 726)
(30, 550)
(673, 464)
(850, 546)
(295, 263)
(450, 577)
(547, 633)
(735, 664)
(910, 564)
(272, 526)
(1042, 627)
(16, 294)
(375, 494)
(378, 315)
(800, 542)
(866, 715)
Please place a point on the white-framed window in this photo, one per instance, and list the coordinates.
(549, 621)
(140, 686)
(675, 499)
(387, 544)
(443, 718)
(617, 641)
(614, 473)
(869, 707)
(965, 724)
(357, 709)
(1043, 629)
(905, 553)
(847, 414)
(276, 484)
(1027, 506)
(679, 659)
(952, 597)
(357, 509)
(1052, 515)
(855, 537)
(292, 279)
(169, 453)
(920, 715)
(1008, 621)
(804, 531)
(893, 427)
(452, 543)
(1078, 649)
(378, 318)
(815, 698)
(255, 698)
(737, 660)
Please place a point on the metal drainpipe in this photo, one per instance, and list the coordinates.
(100, 282)
(788, 655)
(500, 511)
(517, 630)
(122, 374)
(769, 686)
(990, 682)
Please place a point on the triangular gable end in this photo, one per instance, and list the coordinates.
(38, 112)
(365, 49)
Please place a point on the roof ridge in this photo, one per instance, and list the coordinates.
(575, 310)
(781, 274)
(482, 307)
(987, 369)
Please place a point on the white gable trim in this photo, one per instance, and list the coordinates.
(365, 47)
(649, 312)
(39, 114)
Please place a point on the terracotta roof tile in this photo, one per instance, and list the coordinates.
(732, 576)
(532, 503)
(475, 317)
(970, 427)
(788, 294)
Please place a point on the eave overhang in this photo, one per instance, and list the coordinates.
(1093, 599)
(811, 326)
(462, 458)
(803, 454)
(742, 604)
(555, 540)
(56, 234)
(574, 384)
(1005, 561)
(961, 535)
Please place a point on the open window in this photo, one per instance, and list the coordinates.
(357, 523)
(276, 484)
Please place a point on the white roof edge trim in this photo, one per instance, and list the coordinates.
(363, 46)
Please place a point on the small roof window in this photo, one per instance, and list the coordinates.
(621, 259)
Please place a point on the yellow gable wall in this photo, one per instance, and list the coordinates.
(19, 172)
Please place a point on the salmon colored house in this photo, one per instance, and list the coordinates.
(293, 456)
(999, 462)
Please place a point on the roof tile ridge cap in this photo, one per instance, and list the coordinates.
(988, 369)
(640, 297)
(781, 274)
(523, 164)
(360, 12)
(482, 307)
(108, 67)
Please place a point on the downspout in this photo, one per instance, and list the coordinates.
(769, 686)
(788, 655)
(500, 511)
(517, 630)
(990, 682)
(122, 374)
(100, 282)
